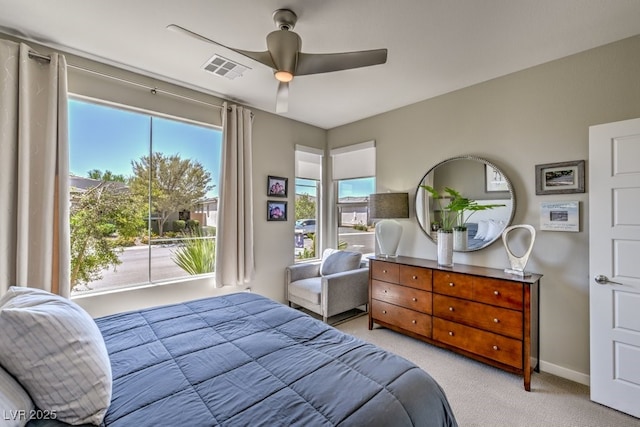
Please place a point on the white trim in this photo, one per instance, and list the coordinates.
(312, 150)
(563, 372)
(354, 147)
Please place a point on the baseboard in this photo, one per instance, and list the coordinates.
(562, 372)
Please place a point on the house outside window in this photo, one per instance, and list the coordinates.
(143, 191)
(356, 231)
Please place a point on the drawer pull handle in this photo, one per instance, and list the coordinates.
(450, 308)
(384, 311)
(414, 322)
(384, 271)
(495, 347)
(496, 320)
(415, 277)
(414, 299)
(496, 293)
(451, 284)
(451, 333)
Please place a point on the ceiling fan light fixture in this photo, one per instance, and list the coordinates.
(284, 76)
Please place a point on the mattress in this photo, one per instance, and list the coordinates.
(243, 359)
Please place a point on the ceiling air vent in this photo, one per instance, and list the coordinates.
(224, 67)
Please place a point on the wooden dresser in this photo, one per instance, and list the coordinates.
(482, 313)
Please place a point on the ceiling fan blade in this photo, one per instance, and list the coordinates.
(262, 57)
(315, 63)
(282, 98)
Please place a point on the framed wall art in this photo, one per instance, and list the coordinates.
(494, 180)
(560, 216)
(277, 186)
(276, 210)
(560, 178)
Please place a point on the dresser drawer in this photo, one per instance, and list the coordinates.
(493, 319)
(404, 318)
(492, 346)
(416, 277)
(387, 271)
(404, 296)
(454, 284)
(498, 292)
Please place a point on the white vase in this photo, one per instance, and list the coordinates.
(460, 239)
(445, 248)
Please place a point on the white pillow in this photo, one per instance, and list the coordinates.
(56, 351)
(15, 403)
(340, 261)
(493, 229)
(482, 229)
(325, 255)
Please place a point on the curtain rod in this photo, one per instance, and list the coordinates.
(153, 90)
(36, 55)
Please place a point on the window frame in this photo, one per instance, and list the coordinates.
(151, 114)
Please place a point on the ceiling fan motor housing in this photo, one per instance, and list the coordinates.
(284, 19)
(283, 47)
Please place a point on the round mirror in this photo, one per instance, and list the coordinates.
(484, 206)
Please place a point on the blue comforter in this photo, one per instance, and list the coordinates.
(245, 360)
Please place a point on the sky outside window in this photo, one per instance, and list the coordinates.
(107, 138)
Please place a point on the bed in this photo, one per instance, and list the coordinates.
(243, 359)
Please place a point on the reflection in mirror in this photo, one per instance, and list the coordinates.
(476, 179)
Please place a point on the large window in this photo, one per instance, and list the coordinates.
(143, 196)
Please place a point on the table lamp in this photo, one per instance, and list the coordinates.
(386, 207)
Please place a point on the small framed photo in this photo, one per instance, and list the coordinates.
(560, 216)
(560, 178)
(276, 210)
(494, 180)
(277, 186)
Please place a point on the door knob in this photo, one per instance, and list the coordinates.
(604, 280)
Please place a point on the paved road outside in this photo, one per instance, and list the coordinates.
(134, 268)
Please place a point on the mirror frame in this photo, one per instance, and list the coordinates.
(478, 159)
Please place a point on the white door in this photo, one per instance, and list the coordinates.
(614, 264)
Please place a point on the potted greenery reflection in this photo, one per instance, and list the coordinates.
(456, 214)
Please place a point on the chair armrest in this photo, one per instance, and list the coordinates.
(344, 291)
(302, 271)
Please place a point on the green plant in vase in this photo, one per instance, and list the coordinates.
(453, 215)
(448, 216)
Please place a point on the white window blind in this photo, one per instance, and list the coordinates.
(354, 161)
(308, 162)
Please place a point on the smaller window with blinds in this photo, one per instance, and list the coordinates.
(307, 203)
(353, 172)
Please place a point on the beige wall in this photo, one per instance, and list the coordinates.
(539, 115)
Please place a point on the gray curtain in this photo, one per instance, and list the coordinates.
(34, 170)
(234, 236)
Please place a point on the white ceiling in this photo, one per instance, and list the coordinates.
(435, 46)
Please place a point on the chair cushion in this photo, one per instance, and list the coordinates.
(15, 403)
(307, 289)
(340, 261)
(56, 351)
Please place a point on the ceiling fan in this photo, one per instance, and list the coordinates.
(283, 55)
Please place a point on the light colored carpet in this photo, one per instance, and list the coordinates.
(484, 396)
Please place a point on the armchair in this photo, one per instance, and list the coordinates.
(337, 283)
